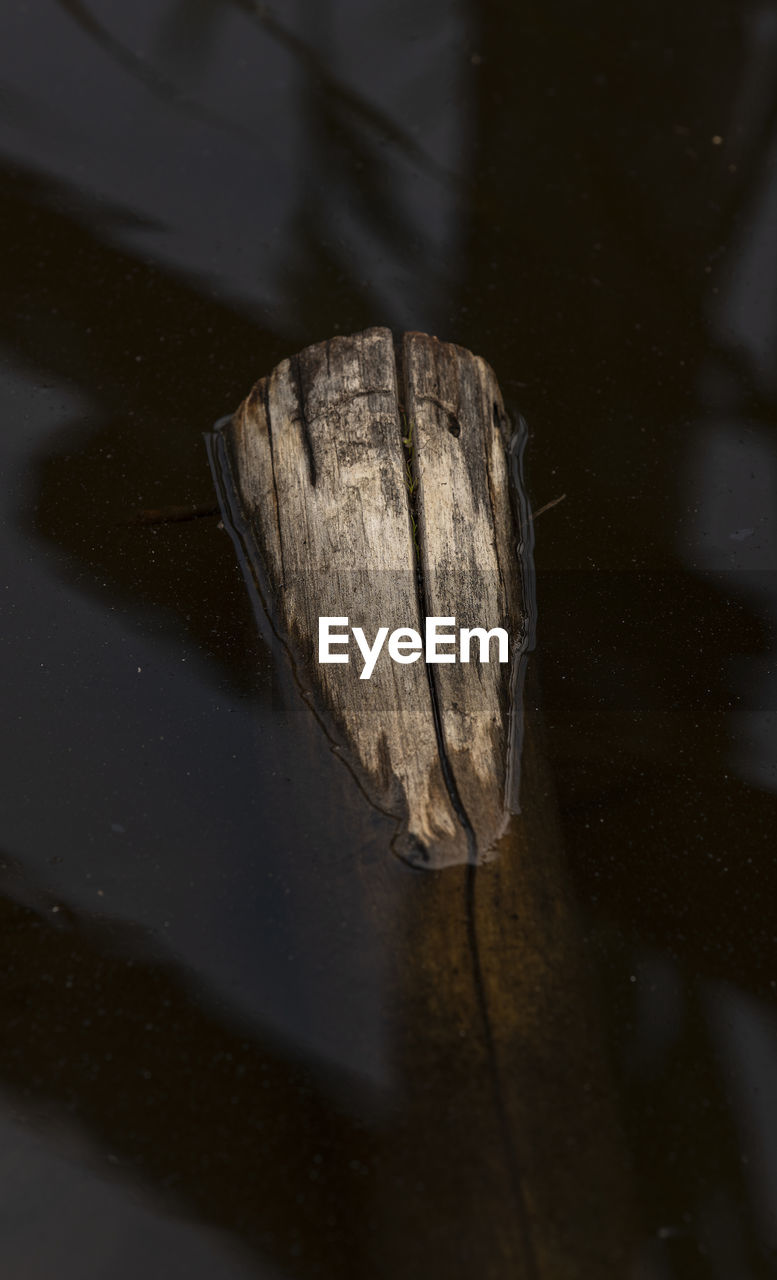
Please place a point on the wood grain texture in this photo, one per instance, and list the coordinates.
(322, 483)
(469, 559)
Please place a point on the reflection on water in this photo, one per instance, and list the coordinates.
(45, 1189)
(190, 192)
(222, 1126)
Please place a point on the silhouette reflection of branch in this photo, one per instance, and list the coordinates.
(126, 333)
(344, 176)
(216, 1121)
(348, 102)
(142, 71)
(186, 32)
(343, 99)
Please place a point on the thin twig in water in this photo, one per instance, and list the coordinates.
(172, 515)
(548, 506)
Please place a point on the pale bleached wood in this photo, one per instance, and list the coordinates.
(319, 470)
(321, 479)
(468, 547)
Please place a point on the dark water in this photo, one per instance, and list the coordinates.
(583, 193)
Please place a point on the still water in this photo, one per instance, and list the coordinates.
(193, 189)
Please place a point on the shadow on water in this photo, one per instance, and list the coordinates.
(235, 1130)
(598, 214)
(596, 290)
(128, 335)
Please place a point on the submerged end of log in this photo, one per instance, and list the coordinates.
(371, 481)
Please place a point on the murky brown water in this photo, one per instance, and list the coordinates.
(192, 190)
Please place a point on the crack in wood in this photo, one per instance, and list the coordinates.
(297, 366)
(445, 764)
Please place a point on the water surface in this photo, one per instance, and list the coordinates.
(191, 191)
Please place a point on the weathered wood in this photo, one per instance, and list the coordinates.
(329, 500)
(499, 1155)
(470, 561)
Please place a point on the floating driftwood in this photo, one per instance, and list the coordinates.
(372, 482)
